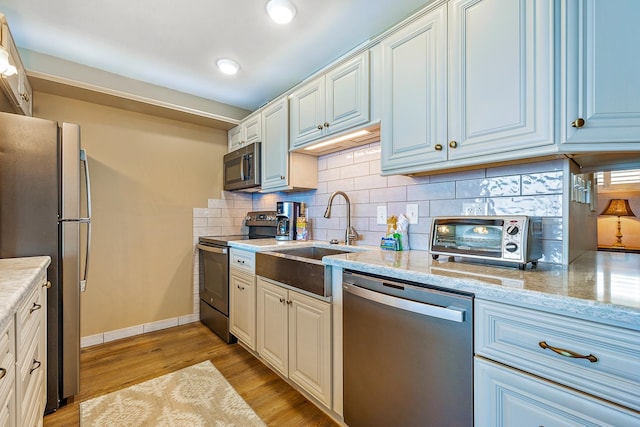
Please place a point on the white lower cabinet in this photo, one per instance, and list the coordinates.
(508, 397)
(7, 375)
(294, 337)
(534, 368)
(242, 306)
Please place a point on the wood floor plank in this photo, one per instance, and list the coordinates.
(115, 365)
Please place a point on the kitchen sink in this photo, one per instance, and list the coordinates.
(301, 268)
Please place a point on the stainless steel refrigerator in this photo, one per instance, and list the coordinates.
(45, 205)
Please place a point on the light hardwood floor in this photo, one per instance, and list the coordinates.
(108, 367)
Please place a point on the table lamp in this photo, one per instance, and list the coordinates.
(618, 207)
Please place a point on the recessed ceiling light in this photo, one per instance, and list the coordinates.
(228, 66)
(281, 11)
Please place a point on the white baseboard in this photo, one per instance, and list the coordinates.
(131, 331)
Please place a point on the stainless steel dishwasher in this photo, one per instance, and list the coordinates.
(408, 353)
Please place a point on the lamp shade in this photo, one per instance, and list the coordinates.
(618, 207)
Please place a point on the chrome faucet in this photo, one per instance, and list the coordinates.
(350, 234)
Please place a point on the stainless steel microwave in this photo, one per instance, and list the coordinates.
(242, 168)
(513, 238)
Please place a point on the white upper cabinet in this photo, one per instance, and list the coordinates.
(17, 88)
(282, 170)
(470, 82)
(247, 132)
(414, 93)
(500, 77)
(331, 103)
(275, 147)
(600, 89)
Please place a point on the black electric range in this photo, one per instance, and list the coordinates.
(214, 271)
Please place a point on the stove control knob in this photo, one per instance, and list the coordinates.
(512, 230)
(511, 247)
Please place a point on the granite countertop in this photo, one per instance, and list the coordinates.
(597, 286)
(16, 277)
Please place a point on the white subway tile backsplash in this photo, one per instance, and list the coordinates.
(435, 191)
(542, 183)
(525, 168)
(370, 182)
(354, 170)
(329, 175)
(341, 185)
(392, 194)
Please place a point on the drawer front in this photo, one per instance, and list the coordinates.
(506, 397)
(243, 260)
(28, 316)
(515, 336)
(8, 375)
(30, 380)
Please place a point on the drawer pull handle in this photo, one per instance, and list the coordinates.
(3, 373)
(568, 353)
(36, 364)
(35, 307)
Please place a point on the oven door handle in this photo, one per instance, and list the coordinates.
(454, 314)
(213, 249)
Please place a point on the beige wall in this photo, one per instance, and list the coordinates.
(147, 175)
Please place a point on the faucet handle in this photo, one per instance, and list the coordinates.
(352, 235)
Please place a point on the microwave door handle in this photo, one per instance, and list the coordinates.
(249, 163)
(242, 159)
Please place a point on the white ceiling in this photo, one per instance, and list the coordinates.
(176, 44)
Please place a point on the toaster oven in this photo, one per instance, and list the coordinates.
(514, 239)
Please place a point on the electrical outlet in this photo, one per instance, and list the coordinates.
(412, 213)
(381, 217)
(474, 209)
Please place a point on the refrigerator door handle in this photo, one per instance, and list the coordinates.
(87, 220)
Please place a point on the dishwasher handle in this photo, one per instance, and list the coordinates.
(214, 249)
(454, 314)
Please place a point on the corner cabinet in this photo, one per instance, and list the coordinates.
(294, 337)
(331, 103)
(600, 90)
(242, 297)
(247, 132)
(470, 82)
(281, 170)
(538, 368)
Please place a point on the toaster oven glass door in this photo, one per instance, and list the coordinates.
(468, 236)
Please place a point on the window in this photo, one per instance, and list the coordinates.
(625, 180)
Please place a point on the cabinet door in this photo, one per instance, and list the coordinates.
(310, 345)
(500, 77)
(242, 307)
(347, 103)
(507, 397)
(253, 129)
(234, 137)
(308, 112)
(414, 95)
(275, 145)
(272, 325)
(600, 74)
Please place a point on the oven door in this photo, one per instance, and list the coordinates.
(214, 277)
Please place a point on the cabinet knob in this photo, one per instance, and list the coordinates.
(289, 302)
(35, 307)
(578, 123)
(320, 127)
(47, 285)
(453, 144)
(282, 300)
(326, 124)
(3, 372)
(438, 147)
(281, 177)
(25, 97)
